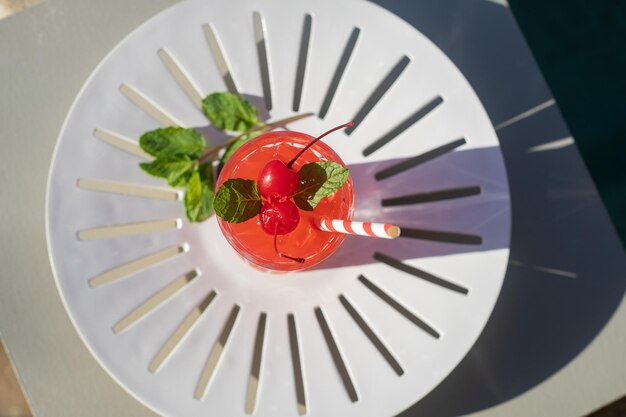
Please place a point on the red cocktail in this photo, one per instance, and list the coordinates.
(306, 241)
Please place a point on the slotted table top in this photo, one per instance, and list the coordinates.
(368, 332)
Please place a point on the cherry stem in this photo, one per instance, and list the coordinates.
(315, 140)
(299, 260)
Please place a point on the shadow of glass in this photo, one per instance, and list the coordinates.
(430, 228)
(564, 281)
(565, 278)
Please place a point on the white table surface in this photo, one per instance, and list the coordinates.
(555, 343)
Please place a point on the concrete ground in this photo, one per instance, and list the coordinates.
(13, 404)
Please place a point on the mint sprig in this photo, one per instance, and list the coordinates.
(317, 181)
(183, 158)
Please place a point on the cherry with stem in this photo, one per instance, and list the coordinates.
(280, 181)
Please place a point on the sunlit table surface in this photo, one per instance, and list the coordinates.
(554, 344)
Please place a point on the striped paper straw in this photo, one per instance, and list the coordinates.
(384, 230)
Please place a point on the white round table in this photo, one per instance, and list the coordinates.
(168, 308)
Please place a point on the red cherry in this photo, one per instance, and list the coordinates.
(279, 217)
(276, 181)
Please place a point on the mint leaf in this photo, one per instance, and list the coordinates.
(237, 200)
(173, 143)
(319, 180)
(230, 149)
(199, 194)
(206, 173)
(177, 172)
(227, 111)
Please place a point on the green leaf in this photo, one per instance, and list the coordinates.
(173, 143)
(319, 180)
(227, 111)
(206, 174)
(199, 194)
(237, 200)
(177, 172)
(230, 149)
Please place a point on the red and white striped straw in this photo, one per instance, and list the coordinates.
(384, 230)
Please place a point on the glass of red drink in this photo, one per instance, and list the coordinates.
(308, 242)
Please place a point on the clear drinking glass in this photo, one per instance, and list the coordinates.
(306, 241)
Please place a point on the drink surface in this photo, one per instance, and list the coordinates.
(306, 241)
